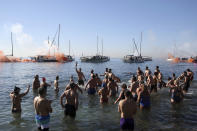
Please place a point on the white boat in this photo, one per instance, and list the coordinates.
(133, 59)
(44, 58)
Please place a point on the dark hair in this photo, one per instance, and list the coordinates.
(106, 69)
(188, 70)
(72, 85)
(16, 90)
(41, 91)
(124, 86)
(157, 67)
(146, 67)
(92, 71)
(110, 79)
(134, 78)
(173, 74)
(156, 73)
(93, 76)
(169, 78)
(127, 93)
(57, 77)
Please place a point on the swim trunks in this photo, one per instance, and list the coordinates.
(91, 91)
(70, 110)
(81, 82)
(127, 123)
(42, 121)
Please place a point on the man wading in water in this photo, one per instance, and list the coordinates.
(127, 108)
(71, 104)
(17, 98)
(42, 109)
(81, 76)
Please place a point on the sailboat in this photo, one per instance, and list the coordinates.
(97, 58)
(69, 57)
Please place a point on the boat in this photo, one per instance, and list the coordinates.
(97, 58)
(69, 57)
(44, 58)
(147, 58)
(134, 58)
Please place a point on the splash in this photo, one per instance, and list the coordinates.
(60, 57)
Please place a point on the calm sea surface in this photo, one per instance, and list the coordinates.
(91, 115)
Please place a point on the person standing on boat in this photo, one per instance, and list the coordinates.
(71, 104)
(42, 109)
(81, 76)
(92, 83)
(16, 98)
(127, 108)
(36, 82)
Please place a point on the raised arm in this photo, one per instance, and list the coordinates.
(23, 94)
(61, 99)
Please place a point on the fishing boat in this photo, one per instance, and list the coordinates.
(97, 58)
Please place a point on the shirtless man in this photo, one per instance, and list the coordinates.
(45, 84)
(157, 71)
(177, 93)
(91, 72)
(103, 93)
(17, 98)
(160, 81)
(170, 83)
(42, 109)
(127, 108)
(76, 87)
(133, 87)
(98, 80)
(71, 104)
(190, 74)
(186, 83)
(36, 83)
(152, 82)
(146, 73)
(81, 76)
(92, 83)
(122, 93)
(56, 84)
(112, 87)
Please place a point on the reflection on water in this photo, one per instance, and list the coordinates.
(91, 115)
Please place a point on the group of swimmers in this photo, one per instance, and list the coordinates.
(139, 91)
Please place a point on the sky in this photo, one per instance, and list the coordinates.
(168, 26)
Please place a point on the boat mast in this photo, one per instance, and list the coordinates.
(141, 44)
(69, 48)
(12, 45)
(102, 46)
(58, 37)
(136, 46)
(97, 44)
(49, 45)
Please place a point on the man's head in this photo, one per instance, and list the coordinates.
(57, 77)
(146, 67)
(16, 90)
(36, 76)
(134, 79)
(92, 71)
(124, 86)
(127, 94)
(110, 70)
(106, 69)
(44, 79)
(42, 91)
(72, 86)
(80, 69)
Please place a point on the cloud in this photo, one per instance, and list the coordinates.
(17, 28)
